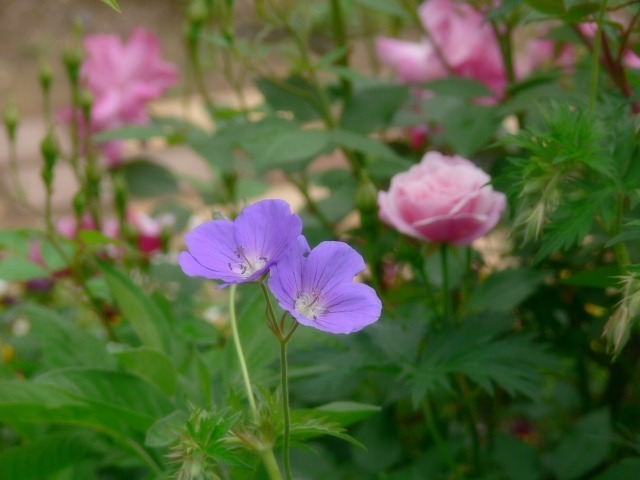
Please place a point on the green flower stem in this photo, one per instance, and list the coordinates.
(238, 345)
(270, 464)
(441, 445)
(283, 337)
(466, 284)
(444, 250)
(284, 379)
(595, 60)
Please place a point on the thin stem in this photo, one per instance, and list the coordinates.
(441, 445)
(595, 60)
(472, 419)
(15, 172)
(284, 381)
(241, 360)
(466, 283)
(444, 260)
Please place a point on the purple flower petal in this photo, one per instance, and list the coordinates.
(318, 290)
(242, 251)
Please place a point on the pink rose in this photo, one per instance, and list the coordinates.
(442, 199)
(124, 77)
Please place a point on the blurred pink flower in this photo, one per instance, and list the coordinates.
(124, 77)
(442, 199)
(462, 36)
(150, 232)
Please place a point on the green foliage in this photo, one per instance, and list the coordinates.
(145, 178)
(113, 4)
(481, 350)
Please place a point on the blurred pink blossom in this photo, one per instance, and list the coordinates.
(150, 232)
(442, 199)
(124, 77)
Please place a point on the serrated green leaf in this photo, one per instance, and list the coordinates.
(347, 413)
(307, 424)
(147, 320)
(148, 179)
(45, 456)
(599, 277)
(152, 365)
(479, 350)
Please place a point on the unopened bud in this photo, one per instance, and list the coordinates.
(11, 121)
(366, 196)
(72, 57)
(49, 151)
(45, 75)
(198, 12)
(86, 102)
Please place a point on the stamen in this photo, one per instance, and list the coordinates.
(309, 304)
(248, 264)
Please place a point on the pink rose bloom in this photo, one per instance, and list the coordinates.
(464, 38)
(124, 77)
(442, 199)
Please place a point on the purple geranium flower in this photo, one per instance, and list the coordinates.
(243, 250)
(318, 289)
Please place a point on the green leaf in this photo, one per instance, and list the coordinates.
(166, 430)
(94, 237)
(468, 128)
(584, 447)
(307, 424)
(458, 87)
(46, 455)
(505, 290)
(599, 277)
(626, 468)
(551, 7)
(113, 4)
(152, 365)
(17, 239)
(363, 144)
(20, 269)
(479, 349)
(62, 343)
(134, 132)
(147, 179)
(387, 7)
(374, 107)
(517, 459)
(347, 413)
(292, 147)
(111, 397)
(293, 94)
(147, 320)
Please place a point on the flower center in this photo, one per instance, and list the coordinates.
(247, 264)
(309, 304)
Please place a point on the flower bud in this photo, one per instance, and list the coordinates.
(72, 58)
(45, 75)
(197, 12)
(49, 151)
(86, 101)
(11, 121)
(366, 195)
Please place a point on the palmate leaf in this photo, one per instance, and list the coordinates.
(483, 350)
(307, 424)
